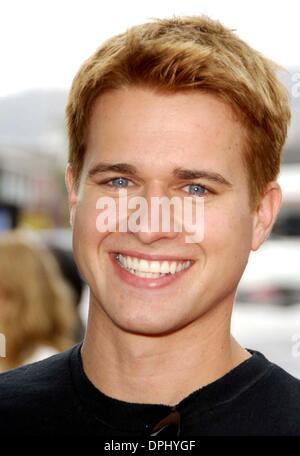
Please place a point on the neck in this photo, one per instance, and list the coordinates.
(159, 369)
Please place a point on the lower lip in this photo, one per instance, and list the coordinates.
(142, 282)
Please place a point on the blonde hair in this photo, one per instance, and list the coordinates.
(36, 304)
(189, 53)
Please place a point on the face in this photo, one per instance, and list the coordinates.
(154, 135)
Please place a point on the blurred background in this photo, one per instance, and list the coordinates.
(42, 44)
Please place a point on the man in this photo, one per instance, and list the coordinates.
(173, 108)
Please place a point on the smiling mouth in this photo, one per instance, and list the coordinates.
(141, 267)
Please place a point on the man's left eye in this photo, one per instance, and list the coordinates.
(196, 189)
(119, 182)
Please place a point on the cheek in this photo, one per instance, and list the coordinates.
(86, 238)
(85, 220)
(226, 250)
(227, 234)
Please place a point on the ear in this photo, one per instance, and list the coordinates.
(266, 214)
(72, 193)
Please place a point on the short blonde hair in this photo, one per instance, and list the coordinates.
(36, 304)
(189, 53)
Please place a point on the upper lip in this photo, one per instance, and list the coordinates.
(150, 256)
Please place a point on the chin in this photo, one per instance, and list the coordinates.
(148, 325)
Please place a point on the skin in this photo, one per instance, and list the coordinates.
(159, 345)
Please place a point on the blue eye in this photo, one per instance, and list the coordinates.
(119, 182)
(196, 189)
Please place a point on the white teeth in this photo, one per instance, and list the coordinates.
(164, 268)
(173, 267)
(135, 263)
(154, 275)
(155, 267)
(140, 273)
(129, 262)
(151, 269)
(121, 259)
(180, 266)
(147, 275)
(143, 266)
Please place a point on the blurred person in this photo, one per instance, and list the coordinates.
(70, 273)
(37, 312)
(174, 107)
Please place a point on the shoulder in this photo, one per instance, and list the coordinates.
(35, 374)
(284, 387)
(26, 390)
(41, 353)
(275, 403)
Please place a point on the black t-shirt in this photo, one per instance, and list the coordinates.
(55, 397)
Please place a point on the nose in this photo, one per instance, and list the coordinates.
(156, 219)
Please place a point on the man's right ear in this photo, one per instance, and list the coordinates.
(72, 194)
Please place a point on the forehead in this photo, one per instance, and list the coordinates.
(140, 125)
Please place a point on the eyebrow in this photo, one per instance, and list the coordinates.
(113, 167)
(190, 174)
(179, 173)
